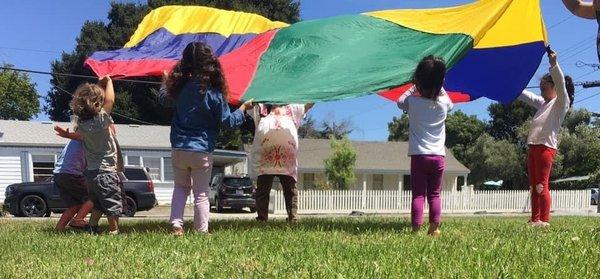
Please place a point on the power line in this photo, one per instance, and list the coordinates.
(575, 45)
(56, 51)
(560, 22)
(587, 98)
(113, 112)
(77, 76)
(29, 49)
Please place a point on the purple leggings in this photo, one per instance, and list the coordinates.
(426, 173)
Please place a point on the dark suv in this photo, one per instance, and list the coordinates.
(38, 199)
(232, 191)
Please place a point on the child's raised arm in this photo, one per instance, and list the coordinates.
(64, 133)
(109, 93)
(580, 8)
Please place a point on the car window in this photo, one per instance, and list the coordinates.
(135, 174)
(237, 182)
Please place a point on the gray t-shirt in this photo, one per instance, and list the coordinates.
(99, 142)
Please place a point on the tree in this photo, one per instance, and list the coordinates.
(506, 118)
(461, 131)
(577, 117)
(339, 167)
(136, 100)
(329, 128)
(308, 129)
(336, 129)
(490, 159)
(18, 96)
(398, 128)
(580, 151)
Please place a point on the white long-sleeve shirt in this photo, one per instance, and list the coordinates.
(550, 115)
(426, 120)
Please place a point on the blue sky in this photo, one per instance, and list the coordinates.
(36, 32)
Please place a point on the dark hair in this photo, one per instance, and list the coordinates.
(429, 76)
(568, 85)
(199, 63)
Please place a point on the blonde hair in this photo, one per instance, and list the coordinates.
(87, 101)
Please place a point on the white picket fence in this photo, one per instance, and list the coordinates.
(375, 201)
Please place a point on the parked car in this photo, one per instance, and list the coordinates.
(232, 191)
(594, 199)
(38, 199)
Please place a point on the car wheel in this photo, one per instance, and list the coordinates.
(131, 207)
(33, 206)
(252, 209)
(594, 202)
(218, 205)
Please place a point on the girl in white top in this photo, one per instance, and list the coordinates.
(552, 107)
(427, 105)
(274, 154)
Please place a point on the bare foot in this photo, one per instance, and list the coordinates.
(177, 231)
(434, 229)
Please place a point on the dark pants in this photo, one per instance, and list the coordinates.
(290, 193)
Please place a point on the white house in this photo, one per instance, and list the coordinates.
(28, 151)
(379, 166)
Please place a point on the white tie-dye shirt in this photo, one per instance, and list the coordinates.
(275, 147)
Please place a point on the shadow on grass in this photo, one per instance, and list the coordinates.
(356, 226)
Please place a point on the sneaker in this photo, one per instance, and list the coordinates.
(543, 224)
(261, 219)
(540, 224)
(534, 223)
(292, 220)
(115, 232)
(177, 231)
(93, 229)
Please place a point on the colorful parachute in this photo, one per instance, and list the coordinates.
(492, 47)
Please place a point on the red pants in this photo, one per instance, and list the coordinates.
(539, 166)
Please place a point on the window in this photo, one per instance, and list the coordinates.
(153, 165)
(168, 169)
(309, 180)
(406, 183)
(133, 161)
(43, 167)
(378, 182)
(135, 174)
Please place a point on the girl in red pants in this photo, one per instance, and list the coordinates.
(552, 106)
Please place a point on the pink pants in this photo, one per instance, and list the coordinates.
(191, 171)
(426, 174)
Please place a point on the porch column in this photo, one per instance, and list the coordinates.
(400, 178)
(364, 191)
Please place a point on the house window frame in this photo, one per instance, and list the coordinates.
(32, 167)
(373, 181)
(304, 180)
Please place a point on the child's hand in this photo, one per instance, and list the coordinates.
(247, 105)
(539, 188)
(165, 77)
(61, 132)
(552, 58)
(103, 81)
(65, 133)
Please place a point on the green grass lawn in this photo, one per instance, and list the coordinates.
(363, 247)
